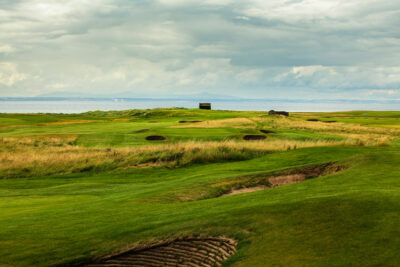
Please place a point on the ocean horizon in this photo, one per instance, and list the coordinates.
(70, 105)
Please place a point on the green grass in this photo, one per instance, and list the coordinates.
(350, 218)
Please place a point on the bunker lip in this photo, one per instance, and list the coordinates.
(155, 138)
(262, 182)
(266, 131)
(250, 137)
(184, 251)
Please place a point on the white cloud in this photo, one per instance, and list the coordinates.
(242, 18)
(303, 71)
(382, 91)
(6, 48)
(9, 74)
(344, 78)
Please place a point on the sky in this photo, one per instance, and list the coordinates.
(291, 49)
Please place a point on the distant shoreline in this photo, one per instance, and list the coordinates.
(68, 105)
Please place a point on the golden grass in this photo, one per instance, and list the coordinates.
(68, 122)
(293, 123)
(313, 114)
(234, 123)
(367, 138)
(39, 140)
(53, 154)
(354, 133)
(20, 157)
(22, 142)
(52, 123)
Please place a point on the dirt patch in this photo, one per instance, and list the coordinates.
(286, 179)
(189, 121)
(266, 131)
(143, 131)
(190, 251)
(246, 190)
(155, 138)
(262, 182)
(328, 121)
(313, 120)
(250, 137)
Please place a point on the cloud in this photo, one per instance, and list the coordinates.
(304, 71)
(6, 49)
(9, 74)
(382, 91)
(242, 18)
(293, 48)
(341, 78)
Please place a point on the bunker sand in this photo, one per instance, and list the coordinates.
(290, 177)
(206, 251)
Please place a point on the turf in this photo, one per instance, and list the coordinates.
(350, 218)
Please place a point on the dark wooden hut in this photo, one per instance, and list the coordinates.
(273, 112)
(204, 105)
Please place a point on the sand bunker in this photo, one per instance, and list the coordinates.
(250, 137)
(189, 121)
(206, 251)
(155, 137)
(288, 177)
(313, 120)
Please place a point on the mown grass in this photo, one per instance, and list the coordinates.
(62, 212)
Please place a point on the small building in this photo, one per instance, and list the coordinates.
(273, 112)
(204, 105)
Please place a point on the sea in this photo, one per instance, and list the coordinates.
(40, 105)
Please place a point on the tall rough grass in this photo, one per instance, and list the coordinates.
(35, 156)
(293, 123)
(56, 154)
